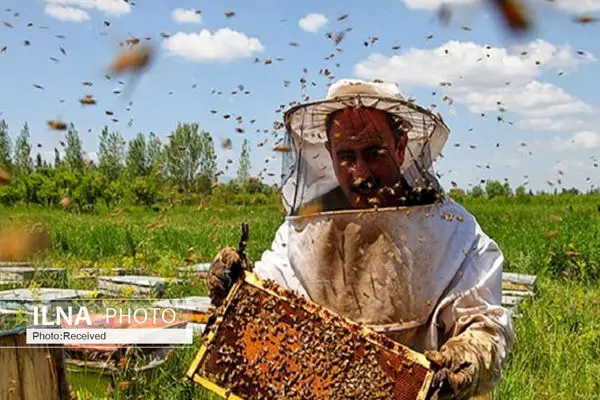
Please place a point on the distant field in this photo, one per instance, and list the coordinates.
(557, 355)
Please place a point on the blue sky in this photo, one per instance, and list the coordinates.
(552, 105)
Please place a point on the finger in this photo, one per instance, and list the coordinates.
(215, 283)
(439, 378)
(435, 357)
(462, 384)
(433, 395)
(229, 256)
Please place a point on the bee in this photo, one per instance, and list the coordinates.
(585, 19)
(515, 14)
(5, 178)
(88, 100)
(282, 148)
(132, 41)
(444, 14)
(57, 125)
(133, 59)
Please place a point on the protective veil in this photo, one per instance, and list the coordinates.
(421, 273)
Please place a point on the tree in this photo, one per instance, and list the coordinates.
(507, 189)
(57, 160)
(573, 190)
(111, 154)
(38, 162)
(144, 190)
(5, 147)
(477, 191)
(74, 151)
(136, 161)
(184, 156)
(243, 171)
(497, 189)
(23, 164)
(87, 191)
(457, 194)
(208, 165)
(154, 153)
(521, 191)
(48, 192)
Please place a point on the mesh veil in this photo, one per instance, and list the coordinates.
(307, 169)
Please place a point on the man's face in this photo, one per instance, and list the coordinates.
(366, 157)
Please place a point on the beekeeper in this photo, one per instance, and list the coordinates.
(370, 235)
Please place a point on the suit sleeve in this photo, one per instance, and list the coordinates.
(274, 263)
(474, 311)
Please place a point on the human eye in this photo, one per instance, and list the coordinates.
(346, 158)
(375, 152)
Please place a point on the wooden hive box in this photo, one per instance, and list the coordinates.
(193, 308)
(267, 342)
(31, 372)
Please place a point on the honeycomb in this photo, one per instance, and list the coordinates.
(269, 343)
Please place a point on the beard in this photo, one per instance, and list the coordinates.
(370, 194)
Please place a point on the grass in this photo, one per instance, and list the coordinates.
(557, 349)
(557, 352)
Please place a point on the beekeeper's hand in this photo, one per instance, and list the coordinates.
(224, 270)
(458, 376)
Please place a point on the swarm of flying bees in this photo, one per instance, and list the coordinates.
(134, 56)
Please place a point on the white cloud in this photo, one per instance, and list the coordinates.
(66, 13)
(312, 22)
(435, 4)
(186, 16)
(223, 45)
(485, 78)
(116, 7)
(467, 64)
(553, 124)
(577, 6)
(535, 99)
(584, 140)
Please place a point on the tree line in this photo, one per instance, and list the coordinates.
(496, 189)
(140, 171)
(146, 171)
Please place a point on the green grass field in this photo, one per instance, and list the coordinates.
(557, 353)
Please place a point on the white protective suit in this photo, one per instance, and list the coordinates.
(442, 278)
(420, 274)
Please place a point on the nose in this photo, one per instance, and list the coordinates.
(361, 169)
(361, 174)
